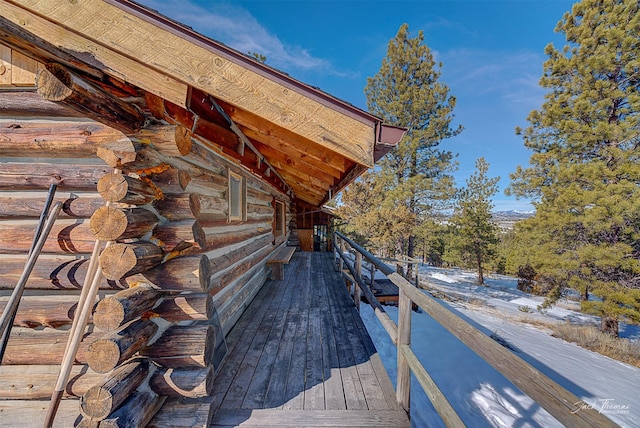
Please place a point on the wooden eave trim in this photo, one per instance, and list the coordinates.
(154, 17)
(154, 40)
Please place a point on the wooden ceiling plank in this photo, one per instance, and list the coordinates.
(301, 176)
(293, 178)
(289, 154)
(50, 36)
(203, 66)
(274, 155)
(260, 129)
(307, 195)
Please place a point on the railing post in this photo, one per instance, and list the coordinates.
(403, 381)
(357, 291)
(341, 249)
(336, 257)
(372, 275)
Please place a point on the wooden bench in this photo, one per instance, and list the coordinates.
(278, 259)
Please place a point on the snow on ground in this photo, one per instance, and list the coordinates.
(481, 395)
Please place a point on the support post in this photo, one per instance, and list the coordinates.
(357, 292)
(403, 381)
(336, 257)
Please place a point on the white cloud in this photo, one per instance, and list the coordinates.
(511, 76)
(238, 29)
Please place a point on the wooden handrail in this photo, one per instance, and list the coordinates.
(555, 399)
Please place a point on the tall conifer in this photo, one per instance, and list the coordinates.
(585, 167)
(475, 235)
(406, 92)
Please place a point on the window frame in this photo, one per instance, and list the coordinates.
(279, 210)
(238, 201)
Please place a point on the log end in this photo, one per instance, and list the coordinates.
(113, 187)
(109, 314)
(108, 223)
(116, 261)
(103, 355)
(199, 235)
(184, 179)
(183, 140)
(50, 87)
(96, 403)
(204, 272)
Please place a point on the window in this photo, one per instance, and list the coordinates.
(279, 219)
(237, 197)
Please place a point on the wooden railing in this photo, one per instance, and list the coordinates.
(559, 402)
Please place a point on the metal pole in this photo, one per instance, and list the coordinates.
(12, 305)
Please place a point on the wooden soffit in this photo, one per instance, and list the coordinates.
(163, 57)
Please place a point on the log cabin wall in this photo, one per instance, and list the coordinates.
(178, 275)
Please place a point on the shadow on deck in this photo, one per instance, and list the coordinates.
(300, 355)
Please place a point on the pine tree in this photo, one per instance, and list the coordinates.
(368, 220)
(475, 235)
(585, 167)
(416, 175)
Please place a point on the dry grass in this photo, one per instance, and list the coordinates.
(591, 338)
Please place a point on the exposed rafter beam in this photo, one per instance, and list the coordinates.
(205, 100)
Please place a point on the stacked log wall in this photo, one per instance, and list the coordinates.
(202, 269)
(39, 147)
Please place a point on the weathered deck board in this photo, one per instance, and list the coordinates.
(309, 418)
(301, 356)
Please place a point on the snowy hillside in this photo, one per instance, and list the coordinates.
(481, 395)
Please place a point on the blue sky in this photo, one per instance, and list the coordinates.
(492, 54)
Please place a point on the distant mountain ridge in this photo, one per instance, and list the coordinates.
(506, 219)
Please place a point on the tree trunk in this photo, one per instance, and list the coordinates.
(410, 251)
(110, 224)
(44, 311)
(122, 188)
(50, 273)
(29, 206)
(183, 346)
(192, 382)
(609, 325)
(480, 272)
(188, 273)
(185, 307)
(36, 382)
(56, 83)
(35, 347)
(40, 175)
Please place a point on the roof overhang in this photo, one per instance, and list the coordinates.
(313, 142)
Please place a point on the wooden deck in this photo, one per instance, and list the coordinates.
(301, 356)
